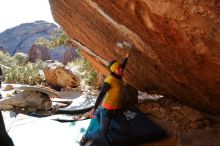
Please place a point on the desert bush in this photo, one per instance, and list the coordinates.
(5, 58)
(58, 38)
(20, 59)
(26, 74)
(19, 70)
(82, 68)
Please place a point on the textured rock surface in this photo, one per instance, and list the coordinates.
(176, 118)
(2, 49)
(70, 55)
(201, 138)
(58, 76)
(184, 126)
(27, 99)
(175, 44)
(37, 52)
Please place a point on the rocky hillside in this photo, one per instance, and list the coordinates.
(174, 45)
(22, 37)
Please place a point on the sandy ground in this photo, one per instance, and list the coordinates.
(176, 118)
(9, 92)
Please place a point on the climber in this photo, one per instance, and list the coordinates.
(111, 94)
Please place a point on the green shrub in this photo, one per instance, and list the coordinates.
(5, 58)
(58, 38)
(20, 59)
(90, 78)
(27, 74)
(19, 70)
(82, 68)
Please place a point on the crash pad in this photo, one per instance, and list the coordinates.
(80, 104)
(140, 129)
(67, 118)
(32, 131)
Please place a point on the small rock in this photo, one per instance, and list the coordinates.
(31, 109)
(6, 107)
(9, 95)
(8, 87)
(176, 108)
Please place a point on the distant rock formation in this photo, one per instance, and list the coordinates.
(38, 52)
(22, 37)
(70, 55)
(2, 49)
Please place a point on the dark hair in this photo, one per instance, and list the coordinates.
(111, 63)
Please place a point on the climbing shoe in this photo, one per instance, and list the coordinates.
(83, 141)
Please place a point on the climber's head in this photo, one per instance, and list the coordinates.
(115, 67)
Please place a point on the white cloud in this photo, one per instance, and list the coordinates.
(15, 12)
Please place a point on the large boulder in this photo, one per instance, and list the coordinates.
(57, 76)
(174, 45)
(31, 100)
(70, 55)
(37, 52)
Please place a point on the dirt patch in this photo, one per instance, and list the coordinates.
(179, 121)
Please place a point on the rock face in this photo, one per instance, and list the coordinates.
(22, 37)
(2, 49)
(32, 100)
(185, 126)
(174, 44)
(70, 55)
(38, 52)
(58, 76)
(60, 54)
(201, 138)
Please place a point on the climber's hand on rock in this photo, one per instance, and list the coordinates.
(127, 54)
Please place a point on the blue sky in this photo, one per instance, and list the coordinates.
(15, 12)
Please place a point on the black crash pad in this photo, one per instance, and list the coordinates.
(138, 129)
